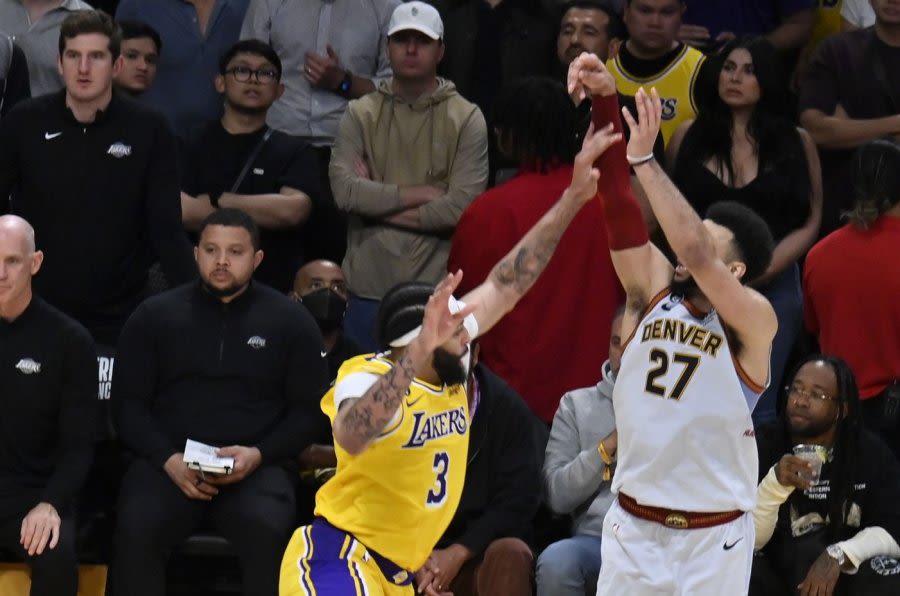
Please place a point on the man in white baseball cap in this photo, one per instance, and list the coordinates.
(417, 16)
(408, 160)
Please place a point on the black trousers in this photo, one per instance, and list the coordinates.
(257, 515)
(55, 571)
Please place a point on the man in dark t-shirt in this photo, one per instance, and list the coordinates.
(851, 95)
(239, 162)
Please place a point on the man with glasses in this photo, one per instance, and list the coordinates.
(238, 161)
(816, 530)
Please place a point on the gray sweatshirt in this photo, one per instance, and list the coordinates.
(573, 468)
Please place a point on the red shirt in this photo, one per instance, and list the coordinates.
(557, 337)
(851, 288)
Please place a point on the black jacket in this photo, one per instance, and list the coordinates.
(250, 372)
(48, 400)
(103, 199)
(502, 488)
(876, 493)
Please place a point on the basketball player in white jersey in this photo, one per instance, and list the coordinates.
(694, 366)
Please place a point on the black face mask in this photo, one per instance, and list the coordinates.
(327, 308)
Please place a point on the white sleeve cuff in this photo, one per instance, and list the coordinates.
(353, 386)
(868, 543)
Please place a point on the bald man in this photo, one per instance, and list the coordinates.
(48, 375)
(321, 287)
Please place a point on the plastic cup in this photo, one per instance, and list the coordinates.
(814, 454)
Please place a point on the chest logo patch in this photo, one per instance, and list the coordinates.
(256, 342)
(27, 366)
(119, 150)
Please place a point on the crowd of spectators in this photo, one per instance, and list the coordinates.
(320, 153)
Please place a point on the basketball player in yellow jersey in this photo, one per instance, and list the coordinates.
(653, 57)
(400, 419)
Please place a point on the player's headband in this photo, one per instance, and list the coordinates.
(454, 306)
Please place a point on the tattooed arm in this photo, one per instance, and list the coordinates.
(360, 420)
(511, 278)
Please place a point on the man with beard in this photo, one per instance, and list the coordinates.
(321, 287)
(695, 363)
(400, 418)
(816, 531)
(229, 363)
(240, 162)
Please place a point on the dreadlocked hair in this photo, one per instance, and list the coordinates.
(846, 451)
(535, 123)
(876, 182)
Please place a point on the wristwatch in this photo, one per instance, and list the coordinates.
(835, 552)
(343, 88)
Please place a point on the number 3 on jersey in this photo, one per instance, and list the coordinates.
(659, 357)
(438, 494)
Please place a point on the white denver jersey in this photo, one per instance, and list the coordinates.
(682, 408)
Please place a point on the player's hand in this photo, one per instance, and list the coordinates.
(39, 527)
(821, 578)
(794, 471)
(584, 174)
(588, 76)
(645, 129)
(246, 460)
(324, 72)
(439, 324)
(191, 483)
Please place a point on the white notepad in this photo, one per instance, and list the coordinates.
(200, 456)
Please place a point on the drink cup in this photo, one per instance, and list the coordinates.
(815, 455)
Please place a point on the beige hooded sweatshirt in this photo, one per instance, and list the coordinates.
(439, 139)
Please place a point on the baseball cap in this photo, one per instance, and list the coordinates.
(417, 16)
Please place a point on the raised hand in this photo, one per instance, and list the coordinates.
(646, 128)
(588, 76)
(439, 323)
(584, 174)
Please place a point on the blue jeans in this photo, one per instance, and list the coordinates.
(359, 323)
(569, 567)
(786, 296)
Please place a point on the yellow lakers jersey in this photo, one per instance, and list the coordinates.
(399, 495)
(675, 86)
(828, 23)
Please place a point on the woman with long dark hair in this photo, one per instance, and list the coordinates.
(743, 148)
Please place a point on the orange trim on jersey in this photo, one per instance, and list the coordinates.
(753, 385)
(695, 312)
(650, 306)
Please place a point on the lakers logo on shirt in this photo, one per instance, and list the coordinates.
(427, 428)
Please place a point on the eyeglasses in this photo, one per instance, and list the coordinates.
(795, 392)
(242, 74)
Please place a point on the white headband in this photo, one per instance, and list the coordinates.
(454, 306)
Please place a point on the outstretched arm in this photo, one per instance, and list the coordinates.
(511, 278)
(359, 421)
(744, 310)
(641, 267)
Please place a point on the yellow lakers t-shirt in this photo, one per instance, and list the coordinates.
(399, 495)
(675, 85)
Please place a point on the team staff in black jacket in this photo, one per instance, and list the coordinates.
(48, 406)
(231, 364)
(95, 173)
(483, 551)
